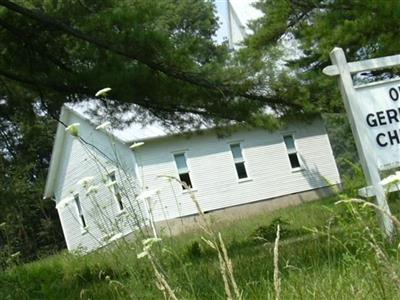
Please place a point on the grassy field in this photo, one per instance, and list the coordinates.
(326, 251)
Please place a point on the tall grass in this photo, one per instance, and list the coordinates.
(336, 260)
(316, 251)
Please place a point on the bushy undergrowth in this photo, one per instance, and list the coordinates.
(342, 256)
(267, 233)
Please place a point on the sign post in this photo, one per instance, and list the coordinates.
(374, 114)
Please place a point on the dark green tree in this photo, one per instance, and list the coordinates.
(363, 28)
(159, 56)
(29, 224)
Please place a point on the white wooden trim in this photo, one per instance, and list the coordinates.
(247, 179)
(364, 65)
(237, 141)
(366, 85)
(244, 161)
(368, 191)
(118, 180)
(84, 228)
(113, 170)
(56, 155)
(184, 152)
(293, 134)
(180, 151)
(189, 191)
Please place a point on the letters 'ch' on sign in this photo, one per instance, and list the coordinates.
(378, 111)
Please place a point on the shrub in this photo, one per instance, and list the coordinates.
(193, 250)
(268, 232)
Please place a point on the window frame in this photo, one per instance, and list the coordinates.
(79, 211)
(290, 152)
(184, 153)
(243, 161)
(119, 202)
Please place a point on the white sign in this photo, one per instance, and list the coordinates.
(377, 112)
(374, 114)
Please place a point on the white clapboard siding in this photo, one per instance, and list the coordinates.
(213, 172)
(211, 167)
(101, 211)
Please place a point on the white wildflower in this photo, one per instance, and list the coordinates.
(142, 254)
(150, 241)
(115, 237)
(73, 129)
(147, 243)
(64, 202)
(103, 92)
(110, 184)
(165, 250)
(147, 194)
(85, 181)
(16, 254)
(92, 190)
(104, 125)
(135, 145)
(105, 238)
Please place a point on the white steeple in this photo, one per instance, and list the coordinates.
(231, 27)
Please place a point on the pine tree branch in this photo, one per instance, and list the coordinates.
(7, 143)
(74, 89)
(31, 47)
(158, 66)
(56, 24)
(51, 85)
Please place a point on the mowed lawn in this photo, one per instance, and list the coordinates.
(326, 251)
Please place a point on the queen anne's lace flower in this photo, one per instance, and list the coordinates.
(135, 145)
(86, 181)
(150, 241)
(103, 92)
(16, 254)
(142, 254)
(147, 243)
(147, 194)
(73, 129)
(103, 125)
(115, 237)
(93, 189)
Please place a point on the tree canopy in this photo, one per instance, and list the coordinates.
(161, 56)
(363, 28)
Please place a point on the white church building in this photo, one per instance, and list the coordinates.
(105, 190)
